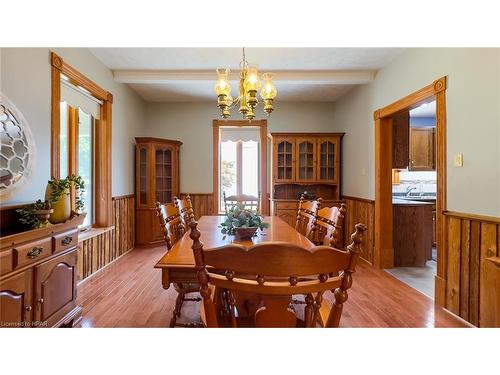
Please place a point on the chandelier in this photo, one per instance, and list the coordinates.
(248, 87)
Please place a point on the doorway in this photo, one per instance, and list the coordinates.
(384, 118)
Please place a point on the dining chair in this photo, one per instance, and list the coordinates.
(275, 271)
(185, 209)
(305, 223)
(329, 226)
(173, 229)
(249, 202)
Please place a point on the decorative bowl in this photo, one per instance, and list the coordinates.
(245, 233)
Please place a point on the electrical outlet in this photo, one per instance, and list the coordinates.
(363, 171)
(458, 160)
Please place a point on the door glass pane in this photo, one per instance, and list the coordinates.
(63, 141)
(227, 170)
(85, 161)
(250, 168)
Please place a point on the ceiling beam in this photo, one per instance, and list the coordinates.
(324, 77)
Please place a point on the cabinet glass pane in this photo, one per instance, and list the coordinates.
(284, 160)
(306, 161)
(163, 168)
(142, 175)
(327, 161)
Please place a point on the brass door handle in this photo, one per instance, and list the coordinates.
(67, 240)
(27, 308)
(35, 252)
(40, 300)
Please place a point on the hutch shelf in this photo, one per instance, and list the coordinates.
(156, 180)
(304, 162)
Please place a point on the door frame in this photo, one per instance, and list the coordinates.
(384, 249)
(262, 125)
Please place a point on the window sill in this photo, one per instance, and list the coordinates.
(93, 232)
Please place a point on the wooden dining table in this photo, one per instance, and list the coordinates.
(178, 266)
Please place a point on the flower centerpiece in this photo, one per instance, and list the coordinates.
(242, 222)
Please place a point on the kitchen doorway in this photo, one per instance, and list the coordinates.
(385, 156)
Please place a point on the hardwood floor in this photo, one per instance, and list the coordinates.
(128, 293)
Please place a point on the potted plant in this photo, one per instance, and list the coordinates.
(242, 223)
(58, 194)
(35, 215)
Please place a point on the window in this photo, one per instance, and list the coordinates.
(77, 152)
(239, 162)
(81, 137)
(247, 163)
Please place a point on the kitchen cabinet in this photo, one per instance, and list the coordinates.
(401, 141)
(422, 149)
(412, 233)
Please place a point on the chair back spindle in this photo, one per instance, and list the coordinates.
(329, 226)
(249, 202)
(306, 217)
(275, 271)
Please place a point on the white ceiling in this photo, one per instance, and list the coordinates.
(188, 74)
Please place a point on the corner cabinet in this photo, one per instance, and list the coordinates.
(38, 277)
(304, 162)
(157, 180)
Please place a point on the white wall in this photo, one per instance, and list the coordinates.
(473, 122)
(26, 81)
(191, 123)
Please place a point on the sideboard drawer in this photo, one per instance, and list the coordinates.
(287, 205)
(65, 240)
(32, 252)
(6, 261)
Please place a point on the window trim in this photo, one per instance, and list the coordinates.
(102, 158)
(262, 125)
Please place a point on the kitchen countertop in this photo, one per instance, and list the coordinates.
(404, 202)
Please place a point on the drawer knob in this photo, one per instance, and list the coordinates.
(66, 240)
(27, 308)
(40, 300)
(35, 252)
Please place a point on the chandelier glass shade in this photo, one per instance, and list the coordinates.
(249, 85)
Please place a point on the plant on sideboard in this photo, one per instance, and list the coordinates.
(243, 222)
(58, 194)
(35, 215)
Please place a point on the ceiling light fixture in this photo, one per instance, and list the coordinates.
(248, 87)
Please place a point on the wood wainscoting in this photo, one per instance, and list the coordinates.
(360, 210)
(203, 204)
(471, 279)
(104, 245)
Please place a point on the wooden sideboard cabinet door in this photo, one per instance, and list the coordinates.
(55, 285)
(16, 302)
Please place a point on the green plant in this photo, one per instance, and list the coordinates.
(239, 217)
(27, 214)
(62, 186)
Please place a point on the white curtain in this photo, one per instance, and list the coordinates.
(79, 98)
(240, 134)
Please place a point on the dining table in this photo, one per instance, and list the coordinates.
(178, 266)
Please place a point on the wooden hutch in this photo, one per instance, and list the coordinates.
(38, 273)
(304, 162)
(156, 180)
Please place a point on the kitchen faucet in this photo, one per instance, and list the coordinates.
(409, 189)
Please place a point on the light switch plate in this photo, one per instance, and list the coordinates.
(458, 160)
(363, 171)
